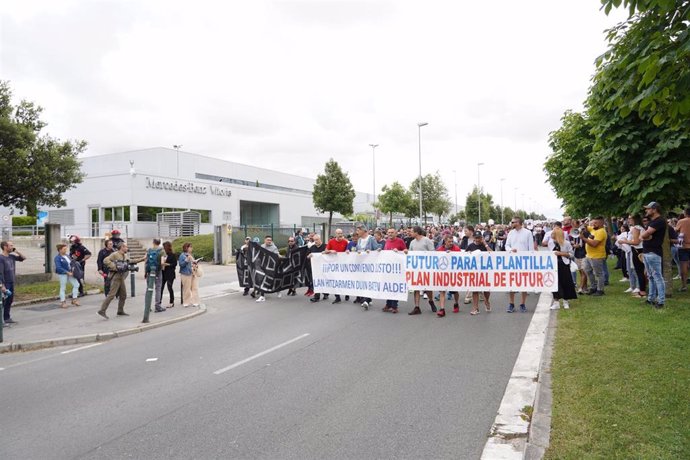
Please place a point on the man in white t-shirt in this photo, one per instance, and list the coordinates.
(519, 240)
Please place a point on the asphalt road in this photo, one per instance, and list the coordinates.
(283, 379)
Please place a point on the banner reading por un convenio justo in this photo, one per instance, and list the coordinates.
(390, 275)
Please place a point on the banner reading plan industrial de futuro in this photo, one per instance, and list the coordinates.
(481, 271)
(389, 275)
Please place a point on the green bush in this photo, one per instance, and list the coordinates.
(21, 221)
(202, 246)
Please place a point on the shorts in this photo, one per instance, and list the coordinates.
(684, 254)
(580, 263)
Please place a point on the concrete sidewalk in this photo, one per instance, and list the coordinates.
(45, 324)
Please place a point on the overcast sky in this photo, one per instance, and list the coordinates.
(289, 84)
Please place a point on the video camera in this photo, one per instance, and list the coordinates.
(126, 266)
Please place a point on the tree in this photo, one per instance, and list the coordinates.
(435, 198)
(647, 65)
(394, 199)
(333, 192)
(37, 169)
(472, 206)
(580, 189)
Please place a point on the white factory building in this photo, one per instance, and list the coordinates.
(139, 191)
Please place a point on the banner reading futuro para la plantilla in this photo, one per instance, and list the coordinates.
(390, 275)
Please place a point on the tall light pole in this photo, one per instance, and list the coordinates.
(419, 136)
(502, 207)
(455, 176)
(373, 155)
(177, 147)
(479, 196)
(515, 204)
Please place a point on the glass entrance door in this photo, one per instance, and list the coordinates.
(95, 224)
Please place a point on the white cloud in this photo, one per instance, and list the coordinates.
(290, 84)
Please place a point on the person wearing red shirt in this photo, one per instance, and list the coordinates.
(448, 246)
(337, 244)
(393, 243)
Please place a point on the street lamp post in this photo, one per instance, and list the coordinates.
(515, 197)
(455, 175)
(479, 196)
(373, 155)
(419, 136)
(177, 147)
(502, 207)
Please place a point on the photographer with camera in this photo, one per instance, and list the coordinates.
(594, 237)
(119, 267)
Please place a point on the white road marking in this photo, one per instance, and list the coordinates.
(81, 348)
(150, 360)
(258, 355)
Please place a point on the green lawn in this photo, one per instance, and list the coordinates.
(42, 290)
(621, 378)
(202, 246)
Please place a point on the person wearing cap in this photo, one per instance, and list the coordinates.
(595, 237)
(80, 254)
(116, 239)
(652, 252)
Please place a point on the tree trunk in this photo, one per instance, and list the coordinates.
(390, 221)
(328, 230)
(667, 264)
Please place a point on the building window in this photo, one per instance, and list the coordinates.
(116, 214)
(148, 213)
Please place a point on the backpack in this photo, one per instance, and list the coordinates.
(153, 260)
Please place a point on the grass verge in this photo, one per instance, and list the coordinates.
(621, 378)
(42, 290)
(202, 246)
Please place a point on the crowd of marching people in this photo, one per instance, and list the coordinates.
(582, 247)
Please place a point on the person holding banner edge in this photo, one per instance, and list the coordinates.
(448, 246)
(519, 239)
(396, 244)
(421, 243)
(335, 245)
(365, 243)
(479, 244)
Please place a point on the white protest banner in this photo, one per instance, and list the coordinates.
(378, 275)
(481, 271)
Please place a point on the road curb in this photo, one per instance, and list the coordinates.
(88, 338)
(509, 433)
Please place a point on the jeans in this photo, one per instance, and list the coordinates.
(7, 304)
(632, 275)
(64, 279)
(595, 273)
(657, 288)
(605, 267)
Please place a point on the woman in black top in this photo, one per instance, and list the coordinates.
(169, 266)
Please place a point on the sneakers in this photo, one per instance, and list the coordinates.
(566, 305)
(456, 308)
(677, 277)
(415, 311)
(365, 305)
(523, 309)
(628, 290)
(280, 295)
(337, 300)
(623, 280)
(314, 299)
(658, 306)
(425, 297)
(555, 305)
(433, 306)
(309, 293)
(122, 313)
(261, 299)
(102, 313)
(598, 293)
(511, 308)
(441, 313)
(636, 291)
(467, 300)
